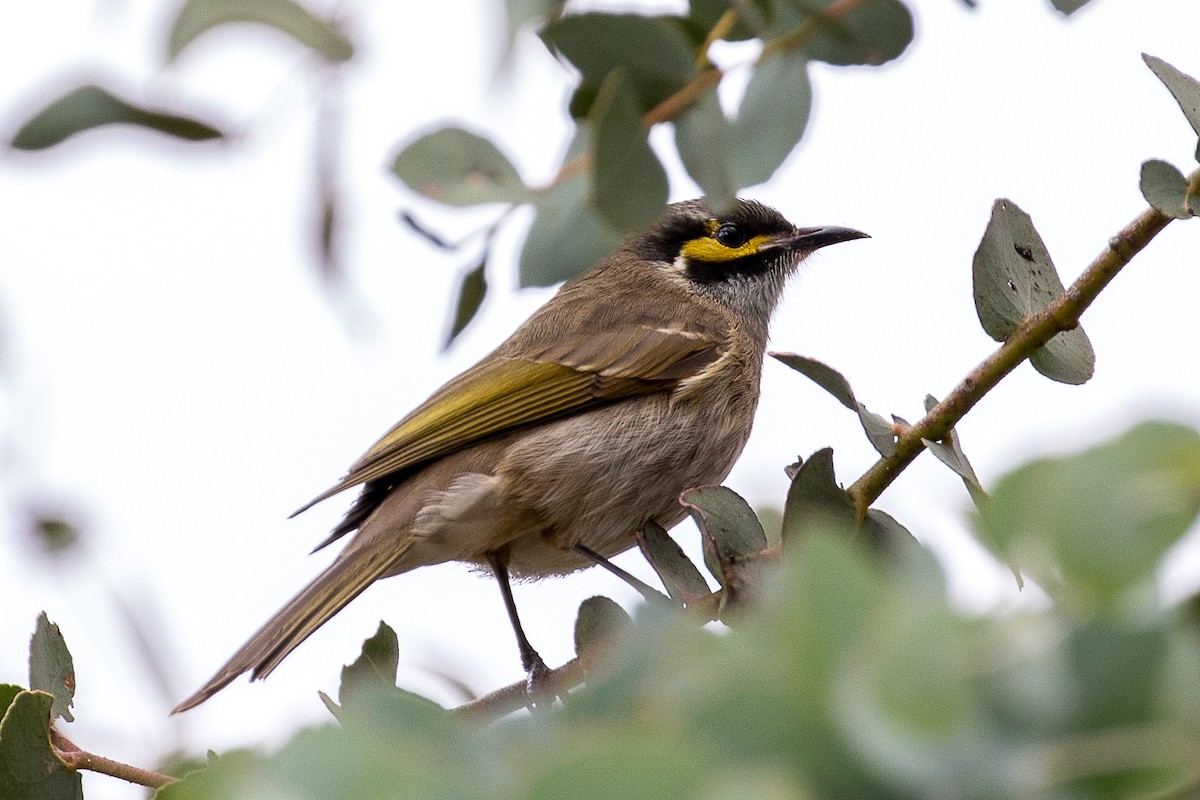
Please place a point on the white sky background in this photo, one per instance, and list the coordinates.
(177, 373)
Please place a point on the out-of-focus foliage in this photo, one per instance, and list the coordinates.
(855, 677)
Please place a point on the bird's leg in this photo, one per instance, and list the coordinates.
(535, 667)
(647, 591)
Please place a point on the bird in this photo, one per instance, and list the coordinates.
(635, 381)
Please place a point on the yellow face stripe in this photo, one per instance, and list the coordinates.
(709, 249)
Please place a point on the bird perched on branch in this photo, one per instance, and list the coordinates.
(634, 382)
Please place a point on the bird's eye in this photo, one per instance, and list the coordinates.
(730, 235)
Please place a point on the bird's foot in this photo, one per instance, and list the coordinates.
(538, 686)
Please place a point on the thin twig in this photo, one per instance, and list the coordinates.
(1062, 314)
(502, 702)
(76, 758)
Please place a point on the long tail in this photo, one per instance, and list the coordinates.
(328, 594)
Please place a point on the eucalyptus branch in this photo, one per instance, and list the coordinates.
(502, 702)
(76, 758)
(1062, 314)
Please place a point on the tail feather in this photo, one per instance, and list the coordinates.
(329, 593)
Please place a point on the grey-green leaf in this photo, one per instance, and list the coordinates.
(814, 499)
(29, 767)
(629, 185)
(459, 168)
(471, 291)
(566, 238)
(704, 138)
(51, 668)
(879, 431)
(200, 16)
(771, 117)
(732, 535)
(1184, 87)
(870, 33)
(1068, 6)
(376, 668)
(600, 621)
(1014, 278)
(1165, 188)
(88, 107)
(679, 575)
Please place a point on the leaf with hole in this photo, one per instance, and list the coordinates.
(1014, 278)
(197, 17)
(459, 168)
(89, 107)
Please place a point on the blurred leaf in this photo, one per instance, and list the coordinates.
(29, 767)
(679, 575)
(1165, 188)
(771, 118)
(471, 291)
(870, 33)
(8, 691)
(629, 185)
(1068, 7)
(519, 13)
(1014, 278)
(1104, 517)
(880, 432)
(703, 138)
(753, 17)
(89, 107)
(55, 534)
(459, 168)
(652, 52)
(1183, 87)
(814, 499)
(199, 16)
(734, 540)
(51, 668)
(374, 669)
(566, 238)
(599, 624)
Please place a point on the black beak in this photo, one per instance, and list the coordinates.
(809, 239)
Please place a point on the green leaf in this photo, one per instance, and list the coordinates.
(771, 117)
(870, 33)
(885, 533)
(1068, 7)
(679, 575)
(1014, 278)
(51, 668)
(56, 534)
(29, 767)
(1165, 188)
(200, 16)
(880, 432)
(735, 544)
(1105, 517)
(566, 238)
(90, 106)
(519, 13)
(1183, 87)
(652, 52)
(459, 168)
(703, 136)
(599, 624)
(629, 185)
(471, 291)
(815, 501)
(375, 669)
(8, 692)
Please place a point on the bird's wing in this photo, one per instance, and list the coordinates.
(553, 377)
